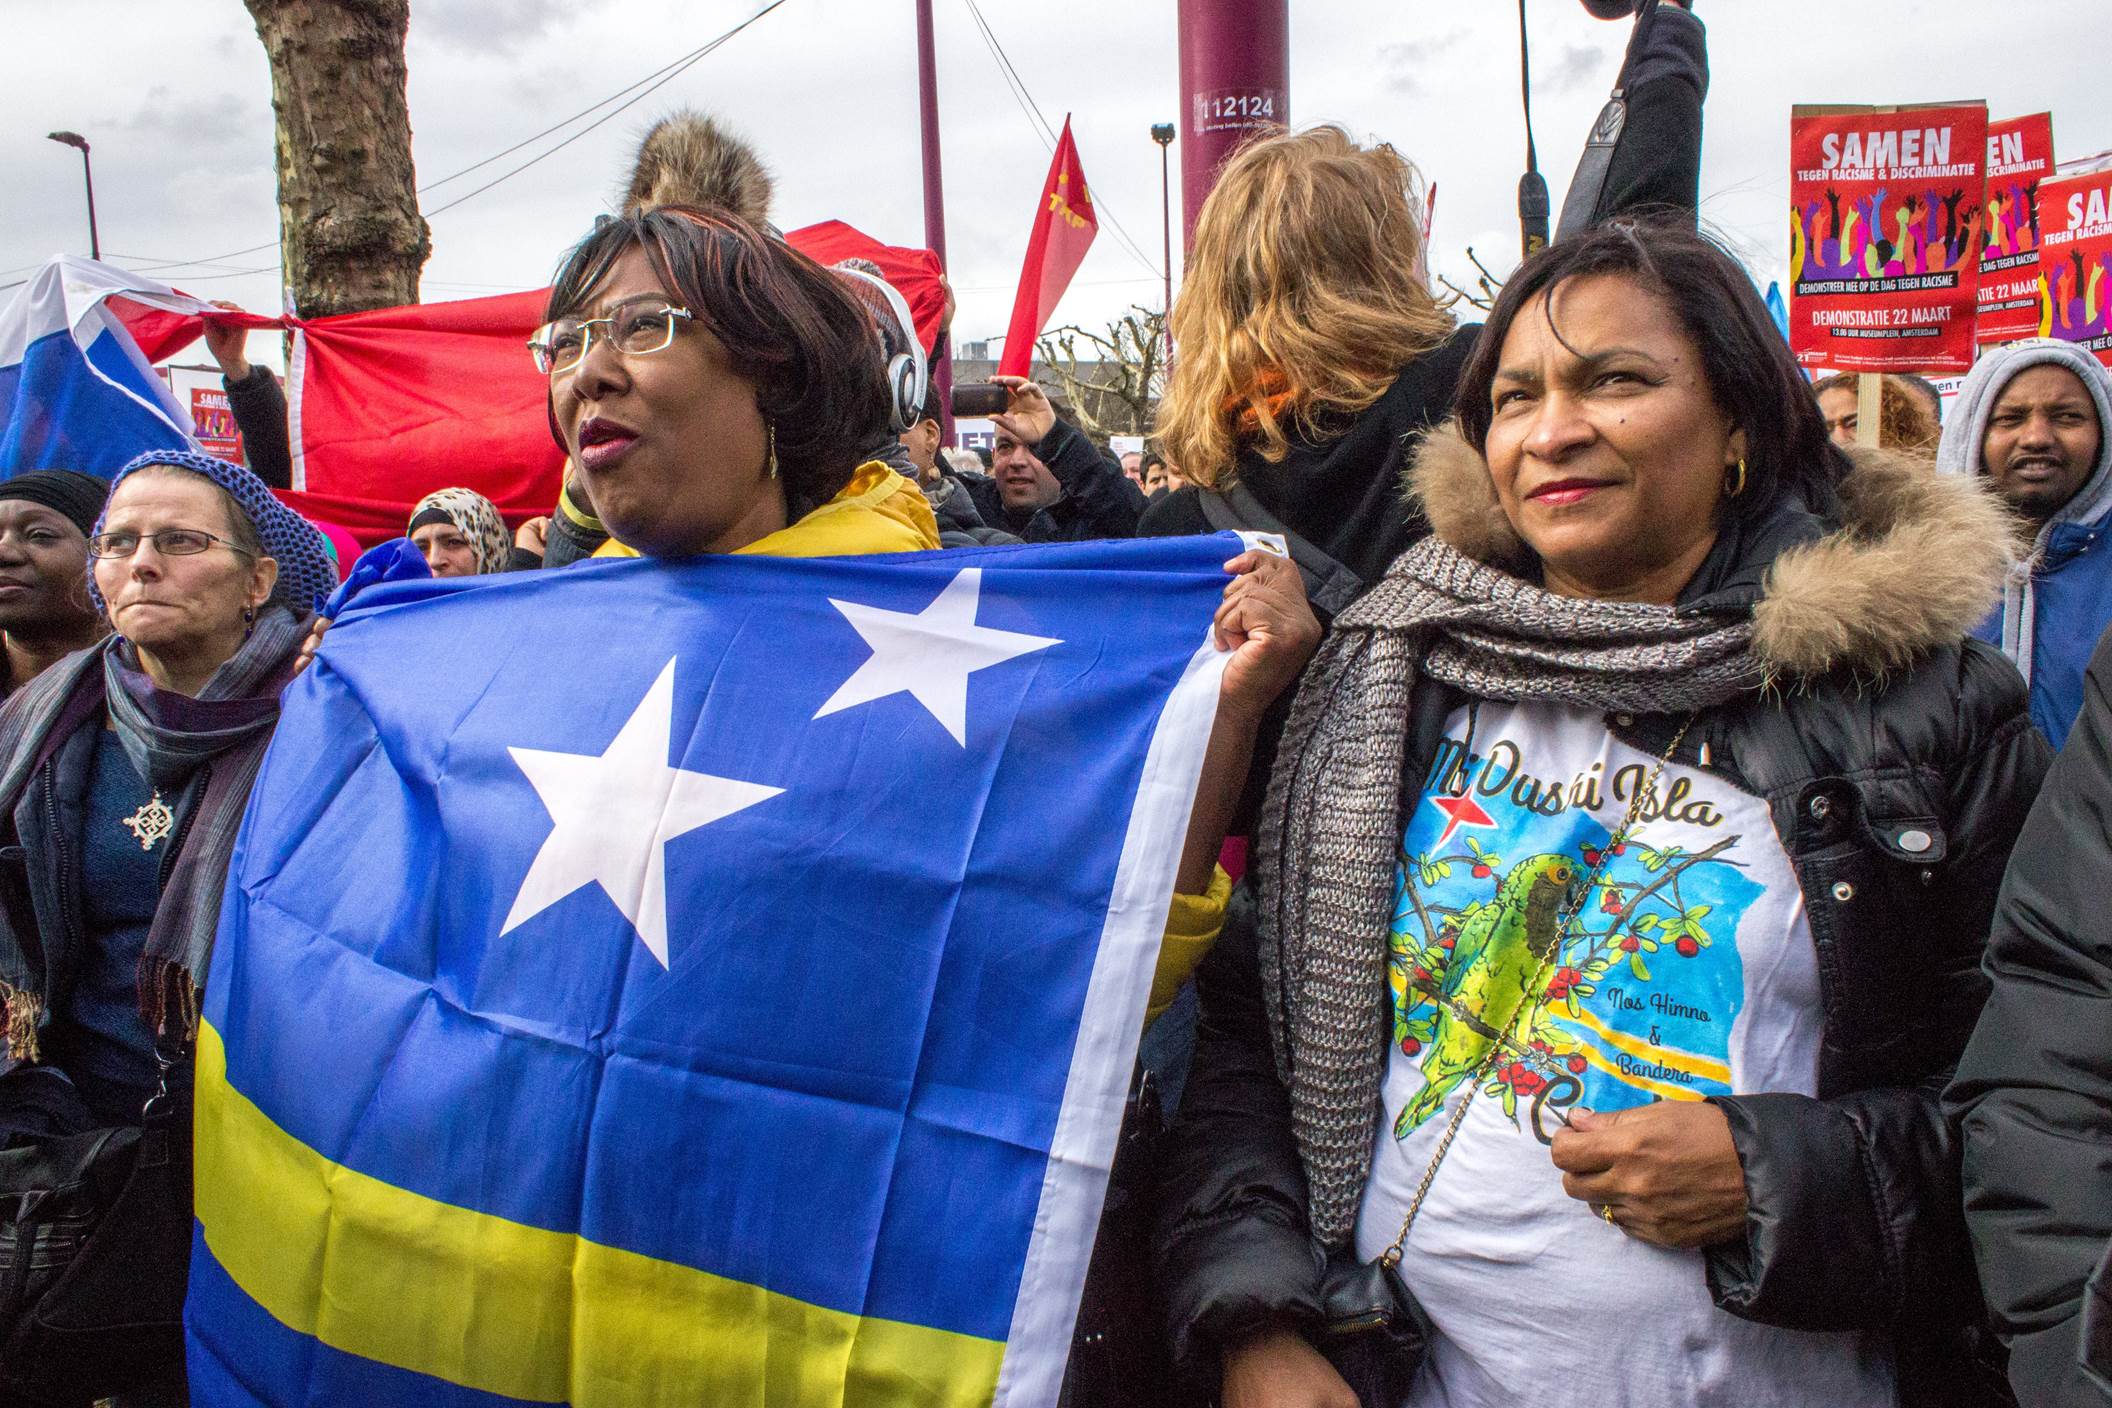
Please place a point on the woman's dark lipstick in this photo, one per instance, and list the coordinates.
(602, 441)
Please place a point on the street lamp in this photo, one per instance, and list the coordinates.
(1162, 133)
(75, 139)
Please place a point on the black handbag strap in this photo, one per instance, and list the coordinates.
(1329, 586)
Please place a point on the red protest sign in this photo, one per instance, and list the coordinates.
(214, 424)
(1885, 232)
(2075, 261)
(2019, 158)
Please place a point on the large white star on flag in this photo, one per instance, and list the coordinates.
(613, 815)
(929, 654)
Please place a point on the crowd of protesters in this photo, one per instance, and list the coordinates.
(1611, 530)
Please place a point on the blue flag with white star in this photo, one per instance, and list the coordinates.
(712, 982)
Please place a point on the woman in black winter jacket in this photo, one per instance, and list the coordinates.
(1622, 885)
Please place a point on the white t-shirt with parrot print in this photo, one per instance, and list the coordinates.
(1689, 971)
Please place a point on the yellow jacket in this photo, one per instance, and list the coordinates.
(878, 511)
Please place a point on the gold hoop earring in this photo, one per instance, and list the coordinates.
(1734, 489)
(771, 426)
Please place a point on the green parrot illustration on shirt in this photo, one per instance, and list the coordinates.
(1500, 950)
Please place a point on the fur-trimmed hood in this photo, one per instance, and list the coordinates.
(1917, 561)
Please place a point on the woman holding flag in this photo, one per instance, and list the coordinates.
(687, 447)
(718, 392)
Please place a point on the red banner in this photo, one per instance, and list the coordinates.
(2019, 157)
(2075, 261)
(1886, 221)
(389, 405)
(1064, 226)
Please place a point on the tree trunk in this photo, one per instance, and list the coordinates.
(350, 235)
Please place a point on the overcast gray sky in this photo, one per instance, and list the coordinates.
(176, 99)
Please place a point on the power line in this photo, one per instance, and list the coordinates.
(1033, 112)
(658, 78)
(677, 70)
(156, 261)
(691, 57)
(1020, 95)
(1036, 117)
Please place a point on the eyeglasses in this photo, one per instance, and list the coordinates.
(169, 542)
(633, 331)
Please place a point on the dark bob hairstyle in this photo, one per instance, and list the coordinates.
(1750, 373)
(787, 324)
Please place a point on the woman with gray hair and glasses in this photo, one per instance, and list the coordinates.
(124, 773)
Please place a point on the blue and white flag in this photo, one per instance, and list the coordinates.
(699, 983)
(75, 391)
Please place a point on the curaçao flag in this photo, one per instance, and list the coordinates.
(76, 392)
(695, 984)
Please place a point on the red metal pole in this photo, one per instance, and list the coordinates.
(1235, 84)
(934, 201)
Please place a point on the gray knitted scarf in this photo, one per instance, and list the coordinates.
(1330, 831)
(202, 752)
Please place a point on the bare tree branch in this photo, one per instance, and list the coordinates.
(1112, 379)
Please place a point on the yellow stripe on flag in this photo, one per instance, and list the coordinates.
(376, 1271)
(1700, 1067)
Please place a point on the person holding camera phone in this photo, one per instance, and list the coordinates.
(1047, 483)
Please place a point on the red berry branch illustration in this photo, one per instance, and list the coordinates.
(1636, 917)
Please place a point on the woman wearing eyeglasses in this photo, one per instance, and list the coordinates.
(719, 392)
(124, 770)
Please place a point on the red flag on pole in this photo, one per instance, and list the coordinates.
(1064, 226)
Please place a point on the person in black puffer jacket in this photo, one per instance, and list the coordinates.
(1641, 828)
(2034, 1089)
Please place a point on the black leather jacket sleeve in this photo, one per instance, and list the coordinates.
(2034, 1089)
(259, 409)
(1848, 1209)
(1854, 1205)
(1232, 1250)
(1099, 496)
(1657, 161)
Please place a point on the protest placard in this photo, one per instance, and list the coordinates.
(217, 433)
(2074, 260)
(2019, 158)
(1886, 224)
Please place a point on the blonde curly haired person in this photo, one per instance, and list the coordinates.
(1310, 345)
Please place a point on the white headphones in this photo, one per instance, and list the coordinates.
(908, 378)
